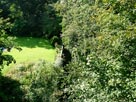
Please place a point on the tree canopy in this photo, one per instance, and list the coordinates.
(101, 35)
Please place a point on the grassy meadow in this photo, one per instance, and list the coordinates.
(33, 49)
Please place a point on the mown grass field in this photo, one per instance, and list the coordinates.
(33, 49)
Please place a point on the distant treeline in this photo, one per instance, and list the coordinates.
(35, 18)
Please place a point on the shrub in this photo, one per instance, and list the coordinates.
(39, 81)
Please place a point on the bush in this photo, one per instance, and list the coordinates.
(54, 40)
(39, 81)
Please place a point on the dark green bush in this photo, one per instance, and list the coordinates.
(10, 90)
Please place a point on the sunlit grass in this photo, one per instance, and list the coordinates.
(33, 49)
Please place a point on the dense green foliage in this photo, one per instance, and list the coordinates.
(32, 18)
(39, 81)
(101, 36)
(5, 43)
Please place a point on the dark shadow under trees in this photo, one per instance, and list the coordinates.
(10, 90)
(31, 42)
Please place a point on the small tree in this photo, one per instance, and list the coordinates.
(5, 43)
